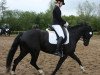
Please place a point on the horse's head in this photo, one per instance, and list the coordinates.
(87, 34)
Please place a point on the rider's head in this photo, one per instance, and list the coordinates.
(60, 2)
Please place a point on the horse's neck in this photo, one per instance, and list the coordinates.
(76, 33)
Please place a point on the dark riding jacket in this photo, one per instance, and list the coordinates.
(57, 16)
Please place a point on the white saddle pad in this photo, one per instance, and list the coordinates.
(53, 37)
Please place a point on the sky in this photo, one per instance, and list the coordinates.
(42, 5)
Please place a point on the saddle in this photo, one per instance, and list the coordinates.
(53, 36)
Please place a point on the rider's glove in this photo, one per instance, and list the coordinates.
(66, 24)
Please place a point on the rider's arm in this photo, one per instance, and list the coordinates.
(57, 12)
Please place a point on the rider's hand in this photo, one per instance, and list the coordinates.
(66, 24)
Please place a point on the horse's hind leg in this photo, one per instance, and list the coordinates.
(78, 60)
(22, 54)
(34, 56)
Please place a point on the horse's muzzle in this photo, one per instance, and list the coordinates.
(86, 43)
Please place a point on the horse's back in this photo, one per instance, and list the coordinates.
(31, 37)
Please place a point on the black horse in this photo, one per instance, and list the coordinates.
(36, 40)
(5, 31)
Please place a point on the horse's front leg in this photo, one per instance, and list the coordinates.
(62, 59)
(78, 60)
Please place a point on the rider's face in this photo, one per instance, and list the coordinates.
(60, 4)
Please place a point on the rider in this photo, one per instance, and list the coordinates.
(58, 23)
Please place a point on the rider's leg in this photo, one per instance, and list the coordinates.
(58, 29)
(59, 50)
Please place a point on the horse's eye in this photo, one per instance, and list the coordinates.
(90, 33)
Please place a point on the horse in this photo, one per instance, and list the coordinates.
(35, 40)
(5, 31)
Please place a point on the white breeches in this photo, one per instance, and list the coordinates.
(59, 30)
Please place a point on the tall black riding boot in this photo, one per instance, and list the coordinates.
(59, 52)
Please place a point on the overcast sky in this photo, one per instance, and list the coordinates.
(42, 5)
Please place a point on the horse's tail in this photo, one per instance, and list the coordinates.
(12, 52)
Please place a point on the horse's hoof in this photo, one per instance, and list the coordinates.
(41, 72)
(85, 72)
(12, 73)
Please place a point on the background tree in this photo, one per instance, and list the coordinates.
(48, 13)
(12, 19)
(85, 11)
(25, 20)
(2, 10)
(98, 18)
(88, 13)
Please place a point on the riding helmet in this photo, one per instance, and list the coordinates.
(61, 1)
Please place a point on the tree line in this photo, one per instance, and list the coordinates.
(25, 20)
